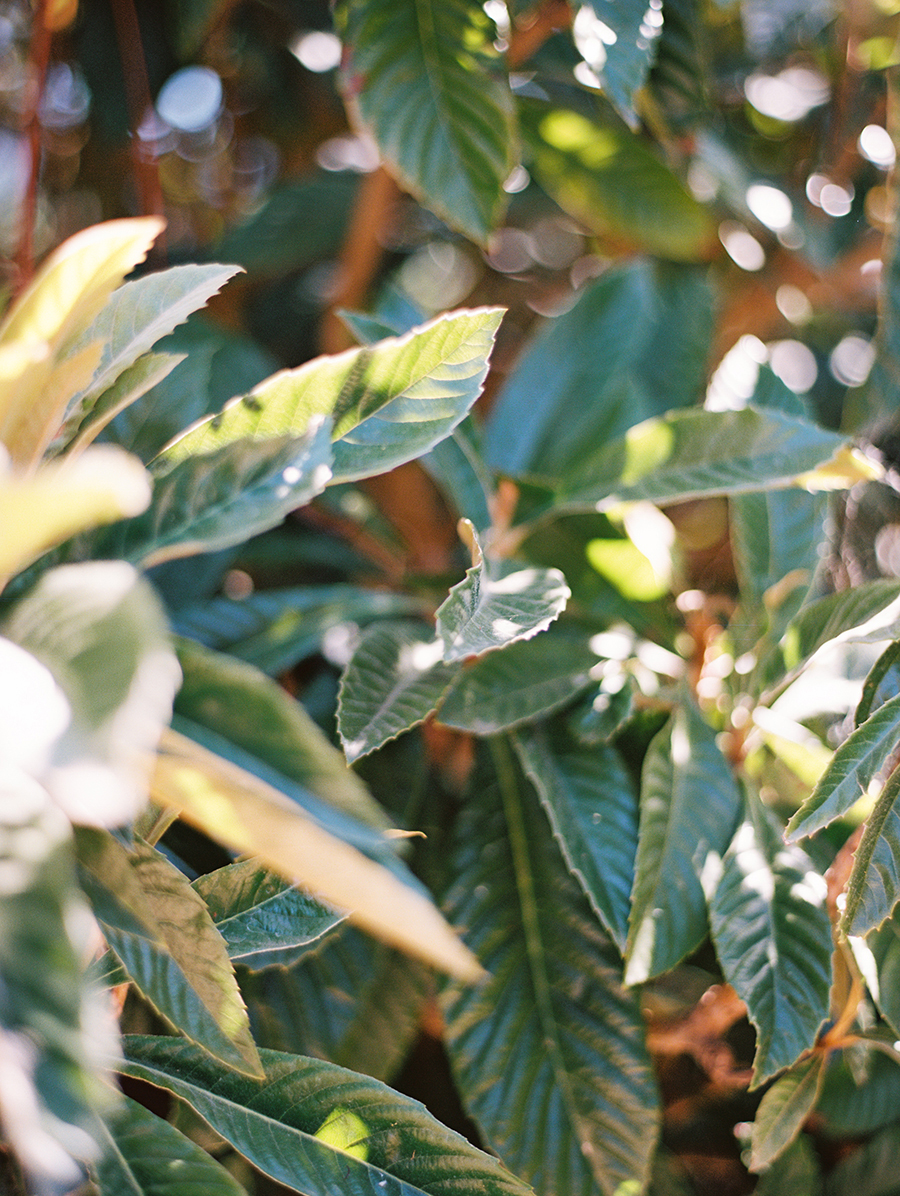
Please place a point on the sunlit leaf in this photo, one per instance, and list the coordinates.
(773, 938)
(391, 1143)
(549, 1052)
(132, 384)
(882, 683)
(421, 79)
(784, 1109)
(621, 51)
(592, 805)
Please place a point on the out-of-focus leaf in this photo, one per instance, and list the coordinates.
(142, 1154)
(874, 885)
(871, 1170)
(422, 82)
(457, 466)
(592, 805)
(316, 1127)
(389, 403)
(527, 680)
(650, 326)
(38, 376)
(865, 614)
(244, 706)
(395, 679)
(297, 224)
(852, 1106)
(622, 61)
(854, 764)
(247, 815)
(161, 931)
(223, 497)
(677, 80)
(690, 806)
(101, 632)
(609, 179)
(62, 498)
(797, 1169)
(274, 629)
(497, 603)
(784, 1109)
(549, 1052)
(264, 920)
(884, 945)
(688, 454)
(773, 938)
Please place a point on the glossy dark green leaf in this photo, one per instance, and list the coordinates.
(622, 60)
(688, 454)
(549, 1052)
(498, 603)
(847, 777)
(457, 466)
(527, 680)
(145, 1156)
(318, 1128)
(422, 80)
(784, 1109)
(772, 935)
(590, 799)
(388, 403)
(882, 683)
(690, 804)
(649, 324)
(274, 629)
(871, 1170)
(852, 1106)
(612, 181)
(161, 931)
(394, 680)
(874, 885)
(264, 920)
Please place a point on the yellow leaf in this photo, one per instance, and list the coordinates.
(59, 14)
(847, 467)
(64, 497)
(34, 403)
(247, 815)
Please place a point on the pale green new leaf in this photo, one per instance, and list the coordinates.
(498, 603)
(625, 59)
(318, 1128)
(274, 629)
(420, 77)
(549, 1052)
(690, 805)
(527, 680)
(161, 931)
(784, 1109)
(394, 680)
(132, 384)
(388, 403)
(144, 1156)
(217, 499)
(874, 885)
(689, 454)
(265, 920)
(853, 766)
(590, 799)
(864, 614)
(772, 935)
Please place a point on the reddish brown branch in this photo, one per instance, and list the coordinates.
(535, 28)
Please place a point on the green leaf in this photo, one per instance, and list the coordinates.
(161, 930)
(865, 614)
(139, 314)
(394, 680)
(101, 632)
(421, 79)
(871, 1170)
(649, 324)
(496, 604)
(237, 702)
(689, 454)
(297, 224)
(884, 945)
(690, 805)
(622, 60)
(389, 403)
(289, 1125)
(852, 768)
(527, 680)
(457, 466)
(797, 1169)
(265, 920)
(772, 935)
(549, 1051)
(610, 180)
(874, 885)
(590, 799)
(132, 384)
(677, 81)
(223, 497)
(274, 629)
(143, 1155)
(883, 682)
(852, 1105)
(784, 1109)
